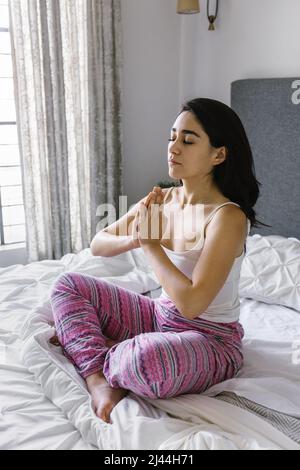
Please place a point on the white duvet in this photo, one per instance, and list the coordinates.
(45, 404)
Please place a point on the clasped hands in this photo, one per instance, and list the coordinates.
(149, 222)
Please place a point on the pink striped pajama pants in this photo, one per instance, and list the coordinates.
(161, 354)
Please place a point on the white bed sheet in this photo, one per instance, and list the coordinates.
(28, 419)
(271, 372)
(65, 420)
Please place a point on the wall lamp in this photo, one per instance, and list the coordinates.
(188, 7)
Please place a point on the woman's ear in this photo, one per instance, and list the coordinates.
(221, 156)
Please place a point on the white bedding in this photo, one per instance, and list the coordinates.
(45, 405)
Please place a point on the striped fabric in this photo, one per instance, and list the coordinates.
(288, 425)
(160, 354)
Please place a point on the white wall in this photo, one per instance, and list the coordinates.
(253, 39)
(151, 42)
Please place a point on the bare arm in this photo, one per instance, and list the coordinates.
(225, 236)
(105, 244)
(117, 238)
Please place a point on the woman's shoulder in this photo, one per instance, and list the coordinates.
(229, 212)
(229, 219)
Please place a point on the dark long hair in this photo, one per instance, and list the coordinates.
(235, 176)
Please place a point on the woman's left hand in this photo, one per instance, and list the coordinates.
(149, 221)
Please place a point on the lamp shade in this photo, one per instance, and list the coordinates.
(188, 6)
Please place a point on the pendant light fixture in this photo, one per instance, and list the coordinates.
(188, 7)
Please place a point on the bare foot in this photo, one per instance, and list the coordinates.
(104, 397)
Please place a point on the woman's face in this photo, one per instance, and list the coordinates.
(190, 146)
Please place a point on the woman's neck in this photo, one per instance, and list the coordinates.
(200, 195)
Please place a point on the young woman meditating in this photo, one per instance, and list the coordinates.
(189, 338)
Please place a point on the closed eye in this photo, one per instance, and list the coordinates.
(188, 143)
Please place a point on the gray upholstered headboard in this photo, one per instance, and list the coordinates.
(270, 112)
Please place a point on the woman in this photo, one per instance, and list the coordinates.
(190, 337)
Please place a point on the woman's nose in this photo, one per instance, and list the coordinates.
(173, 147)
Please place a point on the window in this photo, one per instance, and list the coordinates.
(12, 216)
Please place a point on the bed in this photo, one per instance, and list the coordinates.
(44, 403)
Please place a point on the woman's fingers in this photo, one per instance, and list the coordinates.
(157, 189)
(159, 193)
(147, 202)
(155, 196)
(149, 199)
(160, 198)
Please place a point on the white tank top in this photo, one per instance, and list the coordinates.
(225, 308)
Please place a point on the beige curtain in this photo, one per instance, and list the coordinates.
(67, 63)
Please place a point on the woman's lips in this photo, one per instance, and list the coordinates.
(174, 163)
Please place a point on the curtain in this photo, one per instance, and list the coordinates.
(67, 59)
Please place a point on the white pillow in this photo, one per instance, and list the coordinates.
(270, 271)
